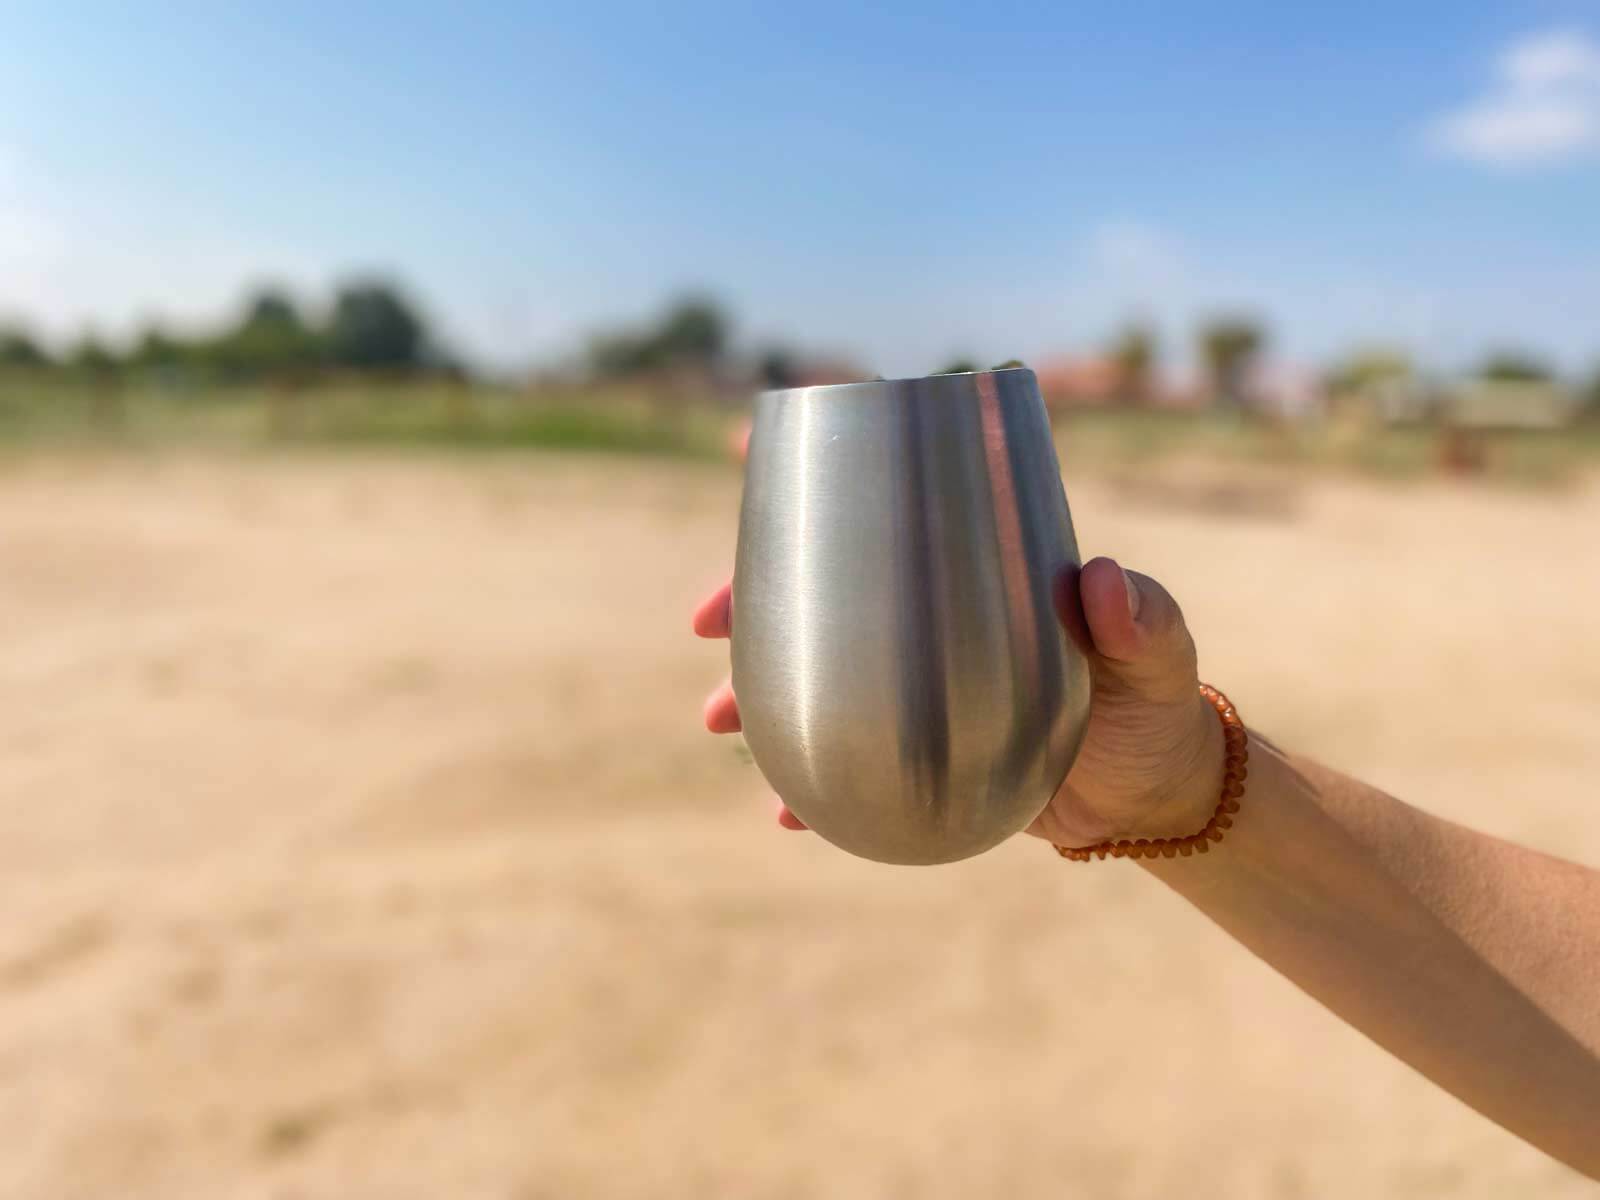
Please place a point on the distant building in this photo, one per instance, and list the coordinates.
(1085, 382)
(1481, 404)
(1404, 399)
(1506, 404)
(1179, 388)
(1286, 392)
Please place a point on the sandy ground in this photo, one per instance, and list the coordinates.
(359, 839)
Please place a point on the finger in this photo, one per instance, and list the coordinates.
(1138, 629)
(714, 617)
(722, 711)
(739, 441)
(787, 819)
(1110, 598)
(1067, 597)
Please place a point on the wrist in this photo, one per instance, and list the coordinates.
(1190, 798)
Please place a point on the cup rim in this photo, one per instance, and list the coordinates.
(890, 383)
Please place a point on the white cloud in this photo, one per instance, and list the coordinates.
(1551, 60)
(1543, 106)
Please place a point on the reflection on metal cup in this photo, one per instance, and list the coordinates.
(903, 679)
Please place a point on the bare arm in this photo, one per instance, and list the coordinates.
(1474, 960)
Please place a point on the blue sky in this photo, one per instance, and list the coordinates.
(899, 184)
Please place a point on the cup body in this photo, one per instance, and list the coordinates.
(905, 682)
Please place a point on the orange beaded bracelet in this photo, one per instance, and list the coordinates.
(1237, 752)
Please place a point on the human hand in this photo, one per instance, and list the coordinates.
(1151, 761)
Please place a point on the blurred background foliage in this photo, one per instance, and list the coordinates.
(367, 366)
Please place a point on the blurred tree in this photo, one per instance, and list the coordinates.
(270, 340)
(620, 354)
(1369, 366)
(1134, 352)
(1515, 367)
(1008, 364)
(693, 330)
(155, 349)
(777, 368)
(91, 356)
(18, 349)
(271, 307)
(372, 325)
(1228, 346)
(99, 370)
(961, 366)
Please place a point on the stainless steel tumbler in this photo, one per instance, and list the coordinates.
(903, 679)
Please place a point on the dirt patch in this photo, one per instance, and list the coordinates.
(382, 780)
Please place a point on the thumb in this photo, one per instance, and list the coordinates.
(1138, 631)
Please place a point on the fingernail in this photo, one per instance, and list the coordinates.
(1133, 595)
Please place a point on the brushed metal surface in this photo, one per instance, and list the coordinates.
(902, 678)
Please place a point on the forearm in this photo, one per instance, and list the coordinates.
(1475, 961)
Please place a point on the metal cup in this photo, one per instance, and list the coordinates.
(904, 681)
